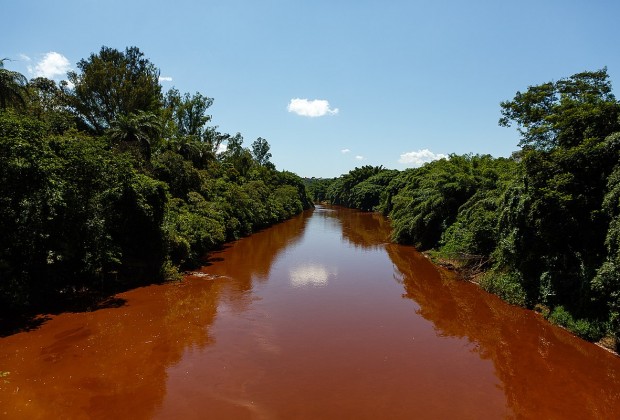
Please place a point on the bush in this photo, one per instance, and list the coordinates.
(506, 285)
(591, 330)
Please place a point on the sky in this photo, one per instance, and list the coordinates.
(334, 84)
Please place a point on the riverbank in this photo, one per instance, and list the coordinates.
(464, 270)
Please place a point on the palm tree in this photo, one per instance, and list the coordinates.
(12, 87)
(139, 129)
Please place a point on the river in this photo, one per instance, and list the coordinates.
(319, 317)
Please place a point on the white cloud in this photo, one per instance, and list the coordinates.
(165, 79)
(345, 151)
(358, 157)
(24, 57)
(420, 157)
(314, 108)
(51, 66)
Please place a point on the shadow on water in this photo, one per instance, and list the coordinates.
(545, 371)
(114, 361)
(276, 238)
(14, 323)
(21, 323)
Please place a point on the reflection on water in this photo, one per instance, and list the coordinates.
(545, 371)
(318, 317)
(312, 274)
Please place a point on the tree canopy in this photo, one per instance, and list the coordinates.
(564, 113)
(12, 88)
(111, 84)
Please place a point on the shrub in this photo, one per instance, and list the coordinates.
(506, 285)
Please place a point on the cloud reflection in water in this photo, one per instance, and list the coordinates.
(312, 274)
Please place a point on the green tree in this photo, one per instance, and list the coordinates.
(185, 129)
(553, 227)
(47, 103)
(188, 113)
(112, 84)
(260, 151)
(238, 158)
(135, 132)
(564, 113)
(430, 199)
(13, 91)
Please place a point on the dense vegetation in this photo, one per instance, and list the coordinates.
(544, 224)
(106, 181)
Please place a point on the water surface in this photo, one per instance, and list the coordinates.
(318, 317)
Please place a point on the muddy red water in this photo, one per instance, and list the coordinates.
(316, 318)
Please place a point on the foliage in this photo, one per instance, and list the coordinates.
(564, 113)
(106, 184)
(46, 102)
(588, 329)
(112, 84)
(12, 88)
(432, 196)
(505, 285)
(135, 132)
(317, 188)
(341, 191)
(187, 114)
(475, 229)
(72, 212)
(260, 151)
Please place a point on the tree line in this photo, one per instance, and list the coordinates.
(543, 225)
(106, 181)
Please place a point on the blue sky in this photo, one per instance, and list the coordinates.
(392, 83)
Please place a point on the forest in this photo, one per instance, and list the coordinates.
(541, 228)
(108, 182)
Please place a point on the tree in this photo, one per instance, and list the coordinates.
(185, 128)
(188, 113)
(552, 226)
(564, 113)
(260, 151)
(111, 84)
(12, 87)
(135, 130)
(46, 102)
